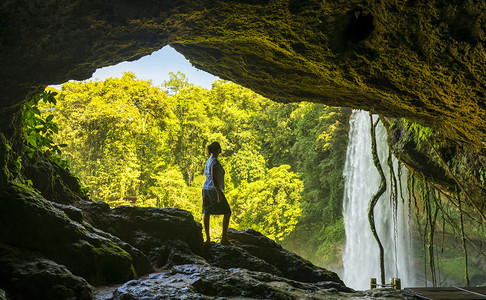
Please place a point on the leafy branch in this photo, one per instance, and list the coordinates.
(38, 132)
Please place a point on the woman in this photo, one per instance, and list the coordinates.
(214, 201)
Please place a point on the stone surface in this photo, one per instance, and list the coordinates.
(63, 191)
(172, 253)
(147, 228)
(290, 264)
(53, 182)
(208, 282)
(29, 275)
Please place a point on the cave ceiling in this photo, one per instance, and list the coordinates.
(423, 60)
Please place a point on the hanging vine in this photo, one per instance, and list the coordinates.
(435, 209)
(394, 203)
(431, 218)
(463, 240)
(458, 182)
(376, 197)
(425, 199)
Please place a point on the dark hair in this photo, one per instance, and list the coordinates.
(214, 148)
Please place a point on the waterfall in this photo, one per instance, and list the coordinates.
(361, 255)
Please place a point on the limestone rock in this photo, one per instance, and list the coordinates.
(172, 253)
(29, 275)
(53, 182)
(417, 153)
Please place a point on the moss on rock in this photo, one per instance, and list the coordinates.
(424, 60)
(48, 230)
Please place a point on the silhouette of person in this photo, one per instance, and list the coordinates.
(214, 201)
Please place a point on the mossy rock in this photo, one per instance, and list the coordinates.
(51, 232)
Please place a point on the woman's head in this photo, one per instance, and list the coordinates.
(214, 148)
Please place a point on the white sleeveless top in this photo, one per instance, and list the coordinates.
(208, 184)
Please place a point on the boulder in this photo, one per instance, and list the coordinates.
(29, 275)
(149, 228)
(288, 263)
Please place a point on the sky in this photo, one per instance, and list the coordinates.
(156, 67)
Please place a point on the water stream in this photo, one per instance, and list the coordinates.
(361, 255)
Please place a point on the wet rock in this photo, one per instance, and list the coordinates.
(172, 253)
(29, 275)
(140, 261)
(288, 263)
(48, 230)
(208, 282)
(421, 156)
(72, 212)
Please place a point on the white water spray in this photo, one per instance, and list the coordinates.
(361, 255)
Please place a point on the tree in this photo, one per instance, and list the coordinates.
(270, 205)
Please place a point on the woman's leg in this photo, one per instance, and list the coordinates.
(226, 219)
(206, 227)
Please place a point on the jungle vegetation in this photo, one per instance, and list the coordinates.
(132, 143)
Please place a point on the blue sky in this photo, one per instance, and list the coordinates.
(156, 67)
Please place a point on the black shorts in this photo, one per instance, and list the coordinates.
(212, 206)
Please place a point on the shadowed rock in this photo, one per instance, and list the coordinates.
(290, 264)
(172, 253)
(168, 236)
(29, 275)
(48, 230)
(228, 256)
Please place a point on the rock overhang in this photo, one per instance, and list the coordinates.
(423, 60)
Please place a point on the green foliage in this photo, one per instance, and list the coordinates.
(129, 140)
(420, 133)
(270, 205)
(39, 130)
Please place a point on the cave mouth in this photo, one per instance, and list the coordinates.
(292, 51)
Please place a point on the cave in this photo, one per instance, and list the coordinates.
(423, 61)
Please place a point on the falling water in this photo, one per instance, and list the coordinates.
(361, 255)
